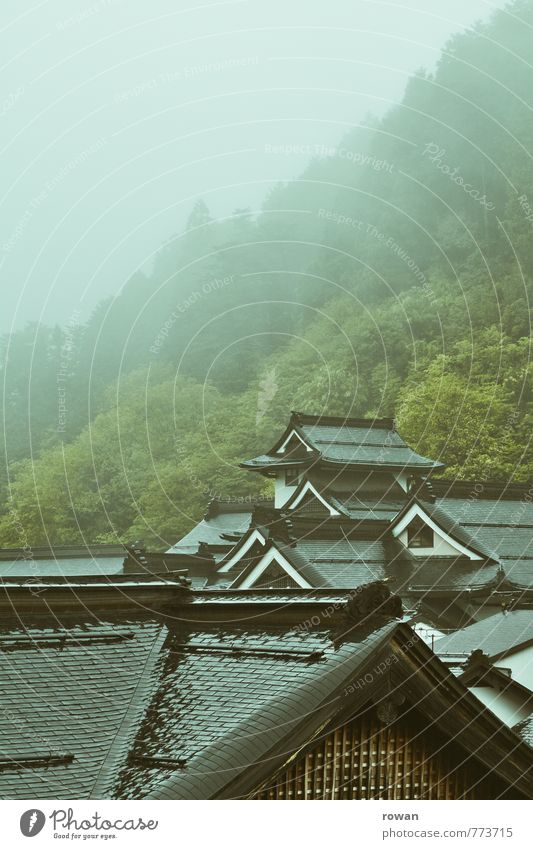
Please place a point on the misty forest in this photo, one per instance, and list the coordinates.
(393, 277)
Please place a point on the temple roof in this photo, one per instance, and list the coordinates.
(223, 523)
(451, 525)
(62, 560)
(497, 517)
(355, 545)
(495, 636)
(213, 680)
(137, 705)
(232, 704)
(69, 701)
(448, 575)
(349, 442)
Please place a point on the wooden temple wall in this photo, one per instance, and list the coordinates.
(366, 760)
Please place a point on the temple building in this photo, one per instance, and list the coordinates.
(366, 633)
(352, 504)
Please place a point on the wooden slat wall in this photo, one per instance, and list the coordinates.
(365, 759)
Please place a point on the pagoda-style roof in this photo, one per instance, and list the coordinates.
(369, 443)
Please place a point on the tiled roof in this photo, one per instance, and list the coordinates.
(212, 681)
(329, 563)
(372, 442)
(345, 563)
(486, 510)
(453, 574)
(290, 553)
(524, 729)
(71, 561)
(502, 527)
(220, 707)
(134, 708)
(506, 542)
(360, 504)
(519, 572)
(366, 442)
(465, 535)
(494, 635)
(211, 530)
(233, 706)
(72, 691)
(70, 567)
(373, 508)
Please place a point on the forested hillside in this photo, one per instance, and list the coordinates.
(393, 277)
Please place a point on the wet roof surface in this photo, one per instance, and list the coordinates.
(214, 686)
(493, 635)
(70, 567)
(365, 445)
(524, 729)
(211, 530)
(67, 691)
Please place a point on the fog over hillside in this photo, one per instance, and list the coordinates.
(117, 116)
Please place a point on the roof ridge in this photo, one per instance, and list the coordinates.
(470, 487)
(132, 716)
(239, 504)
(51, 552)
(346, 421)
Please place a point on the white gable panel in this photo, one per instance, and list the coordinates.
(444, 545)
(257, 536)
(273, 556)
(282, 491)
(293, 434)
(309, 488)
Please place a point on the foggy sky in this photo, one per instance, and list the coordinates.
(117, 115)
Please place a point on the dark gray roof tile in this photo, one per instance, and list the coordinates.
(53, 567)
(450, 574)
(292, 693)
(71, 696)
(494, 635)
(211, 530)
(524, 729)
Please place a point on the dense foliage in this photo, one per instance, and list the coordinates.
(392, 278)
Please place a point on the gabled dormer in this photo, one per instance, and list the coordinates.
(307, 495)
(426, 530)
(273, 570)
(249, 547)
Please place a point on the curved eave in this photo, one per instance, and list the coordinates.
(453, 592)
(429, 466)
(272, 464)
(294, 425)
